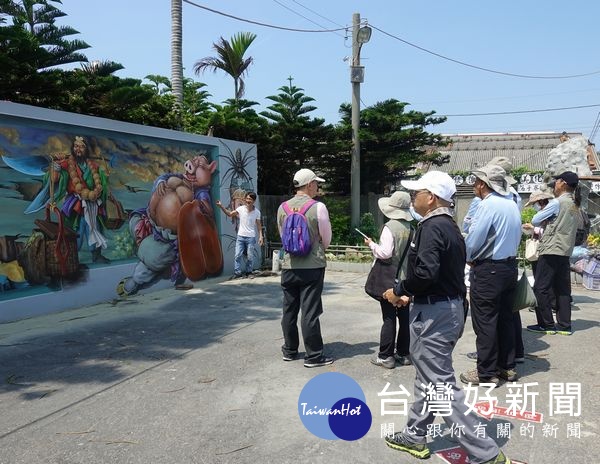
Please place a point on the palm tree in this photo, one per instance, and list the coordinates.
(176, 60)
(230, 59)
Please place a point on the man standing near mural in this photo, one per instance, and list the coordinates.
(82, 186)
(249, 217)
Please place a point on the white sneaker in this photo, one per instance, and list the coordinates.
(388, 363)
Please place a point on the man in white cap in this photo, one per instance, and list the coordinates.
(435, 282)
(302, 276)
(492, 243)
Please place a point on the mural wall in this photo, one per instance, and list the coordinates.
(79, 193)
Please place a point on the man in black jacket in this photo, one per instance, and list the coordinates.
(435, 282)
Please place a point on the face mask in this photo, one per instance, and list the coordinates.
(537, 207)
(414, 214)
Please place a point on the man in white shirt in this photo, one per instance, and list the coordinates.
(249, 222)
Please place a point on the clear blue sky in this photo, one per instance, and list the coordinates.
(540, 38)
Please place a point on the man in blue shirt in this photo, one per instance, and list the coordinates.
(505, 164)
(492, 242)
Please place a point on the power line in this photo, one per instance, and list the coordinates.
(299, 14)
(302, 16)
(525, 76)
(314, 12)
(439, 55)
(595, 128)
(520, 112)
(259, 23)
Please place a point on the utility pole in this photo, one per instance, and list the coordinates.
(360, 35)
(355, 163)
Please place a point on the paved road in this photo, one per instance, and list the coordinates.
(197, 377)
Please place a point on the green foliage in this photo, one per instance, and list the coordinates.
(527, 214)
(463, 174)
(287, 137)
(368, 226)
(392, 141)
(296, 140)
(520, 170)
(230, 59)
(339, 215)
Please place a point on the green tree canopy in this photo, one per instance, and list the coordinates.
(38, 18)
(31, 46)
(392, 141)
(299, 140)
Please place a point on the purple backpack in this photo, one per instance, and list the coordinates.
(295, 236)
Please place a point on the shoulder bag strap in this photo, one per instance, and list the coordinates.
(404, 253)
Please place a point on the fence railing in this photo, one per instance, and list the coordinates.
(338, 250)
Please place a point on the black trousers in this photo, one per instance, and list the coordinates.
(492, 296)
(302, 290)
(388, 339)
(553, 277)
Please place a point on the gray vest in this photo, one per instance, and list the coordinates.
(559, 234)
(316, 258)
(401, 232)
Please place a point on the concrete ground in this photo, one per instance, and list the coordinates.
(197, 377)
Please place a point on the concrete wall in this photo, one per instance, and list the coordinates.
(133, 157)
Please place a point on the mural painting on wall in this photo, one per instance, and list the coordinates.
(177, 232)
(240, 181)
(72, 201)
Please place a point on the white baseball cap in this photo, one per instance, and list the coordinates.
(437, 182)
(305, 176)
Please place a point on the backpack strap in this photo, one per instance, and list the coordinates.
(286, 208)
(306, 206)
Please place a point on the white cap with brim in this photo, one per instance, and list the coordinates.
(305, 176)
(437, 182)
(396, 206)
(494, 177)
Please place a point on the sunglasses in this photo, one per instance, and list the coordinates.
(415, 193)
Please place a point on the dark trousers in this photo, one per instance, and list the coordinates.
(552, 295)
(553, 277)
(302, 290)
(518, 328)
(492, 296)
(388, 340)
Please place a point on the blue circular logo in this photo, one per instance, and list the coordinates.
(333, 406)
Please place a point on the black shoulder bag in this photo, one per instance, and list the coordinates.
(383, 275)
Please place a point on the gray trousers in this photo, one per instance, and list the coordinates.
(434, 331)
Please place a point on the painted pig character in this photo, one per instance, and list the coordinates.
(177, 232)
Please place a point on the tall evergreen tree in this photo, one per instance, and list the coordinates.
(392, 141)
(31, 46)
(302, 141)
(38, 18)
